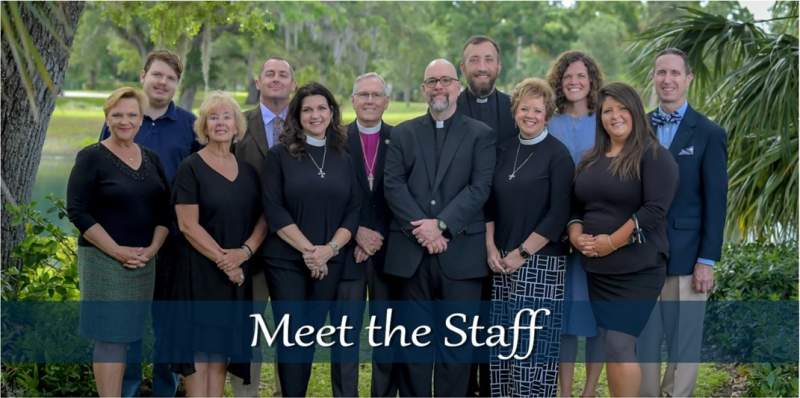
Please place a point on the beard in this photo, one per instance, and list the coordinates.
(439, 105)
(481, 90)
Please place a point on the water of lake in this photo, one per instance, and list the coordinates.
(52, 178)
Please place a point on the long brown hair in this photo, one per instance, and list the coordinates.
(555, 76)
(294, 138)
(641, 140)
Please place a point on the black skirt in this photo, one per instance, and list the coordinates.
(623, 302)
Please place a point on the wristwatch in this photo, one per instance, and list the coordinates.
(334, 247)
(442, 225)
(524, 253)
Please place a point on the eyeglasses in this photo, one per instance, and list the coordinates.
(446, 81)
(364, 96)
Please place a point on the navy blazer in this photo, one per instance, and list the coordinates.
(506, 127)
(454, 193)
(696, 220)
(375, 213)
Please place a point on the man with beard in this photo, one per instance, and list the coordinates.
(275, 84)
(438, 175)
(480, 65)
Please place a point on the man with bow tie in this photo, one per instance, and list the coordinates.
(696, 222)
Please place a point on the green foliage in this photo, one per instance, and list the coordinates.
(757, 272)
(770, 380)
(746, 80)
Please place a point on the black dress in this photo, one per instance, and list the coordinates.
(624, 285)
(228, 211)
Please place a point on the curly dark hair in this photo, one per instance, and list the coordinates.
(556, 73)
(293, 136)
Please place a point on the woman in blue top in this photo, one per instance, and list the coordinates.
(576, 78)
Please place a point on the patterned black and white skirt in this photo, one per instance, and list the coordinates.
(537, 284)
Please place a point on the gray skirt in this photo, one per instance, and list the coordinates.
(115, 300)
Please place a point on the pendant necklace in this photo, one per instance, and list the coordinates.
(321, 172)
(370, 167)
(515, 169)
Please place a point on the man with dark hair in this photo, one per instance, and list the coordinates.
(275, 83)
(367, 139)
(480, 65)
(438, 175)
(695, 227)
(167, 130)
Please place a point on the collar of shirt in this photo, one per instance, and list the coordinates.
(666, 132)
(369, 130)
(267, 114)
(681, 109)
(441, 124)
(535, 140)
(315, 141)
(171, 113)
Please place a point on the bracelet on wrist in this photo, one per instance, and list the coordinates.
(248, 250)
(611, 243)
(335, 247)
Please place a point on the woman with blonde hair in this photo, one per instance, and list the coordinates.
(218, 204)
(118, 198)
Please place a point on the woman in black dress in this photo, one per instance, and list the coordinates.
(118, 198)
(217, 201)
(528, 209)
(311, 202)
(623, 189)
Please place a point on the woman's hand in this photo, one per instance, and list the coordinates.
(493, 258)
(603, 245)
(235, 275)
(584, 243)
(360, 255)
(318, 256)
(319, 272)
(232, 258)
(130, 257)
(512, 261)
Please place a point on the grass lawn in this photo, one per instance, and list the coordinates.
(76, 122)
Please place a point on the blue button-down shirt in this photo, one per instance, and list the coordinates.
(171, 137)
(268, 118)
(666, 133)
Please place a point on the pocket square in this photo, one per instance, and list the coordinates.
(688, 151)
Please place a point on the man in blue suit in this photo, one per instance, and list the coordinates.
(696, 222)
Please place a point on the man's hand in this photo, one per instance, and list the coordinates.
(360, 255)
(703, 278)
(369, 240)
(426, 231)
(439, 245)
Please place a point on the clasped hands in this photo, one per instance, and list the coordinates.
(316, 259)
(134, 257)
(592, 245)
(368, 242)
(230, 262)
(429, 235)
(504, 265)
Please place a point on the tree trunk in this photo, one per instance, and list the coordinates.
(252, 92)
(187, 97)
(23, 136)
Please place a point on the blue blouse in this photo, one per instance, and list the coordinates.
(576, 133)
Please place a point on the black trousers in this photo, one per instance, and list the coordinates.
(350, 301)
(430, 296)
(294, 292)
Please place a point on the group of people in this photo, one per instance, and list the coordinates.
(565, 194)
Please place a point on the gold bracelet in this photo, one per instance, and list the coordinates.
(611, 243)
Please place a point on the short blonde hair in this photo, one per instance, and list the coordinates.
(123, 93)
(534, 87)
(214, 100)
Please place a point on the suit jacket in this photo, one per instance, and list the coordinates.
(375, 213)
(696, 220)
(253, 147)
(506, 127)
(455, 194)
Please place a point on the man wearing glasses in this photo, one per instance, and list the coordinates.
(368, 138)
(438, 175)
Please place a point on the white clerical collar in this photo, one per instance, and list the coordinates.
(315, 141)
(535, 140)
(369, 130)
(439, 124)
(483, 100)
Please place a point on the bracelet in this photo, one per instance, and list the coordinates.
(334, 247)
(575, 221)
(248, 250)
(611, 243)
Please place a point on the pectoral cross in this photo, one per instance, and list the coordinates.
(321, 174)
(370, 180)
(511, 176)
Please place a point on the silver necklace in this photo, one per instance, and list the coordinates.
(321, 172)
(515, 169)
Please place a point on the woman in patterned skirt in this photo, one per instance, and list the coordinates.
(528, 210)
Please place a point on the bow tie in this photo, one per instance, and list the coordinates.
(659, 118)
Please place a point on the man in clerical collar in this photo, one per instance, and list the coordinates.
(438, 175)
(480, 65)
(265, 122)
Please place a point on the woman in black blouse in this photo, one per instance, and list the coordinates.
(218, 203)
(528, 210)
(311, 203)
(118, 198)
(623, 189)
